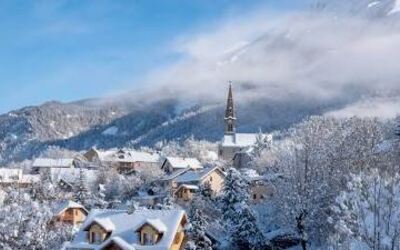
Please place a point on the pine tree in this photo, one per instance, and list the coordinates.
(246, 234)
(197, 233)
(82, 194)
(238, 217)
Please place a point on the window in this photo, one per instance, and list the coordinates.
(148, 239)
(76, 212)
(211, 179)
(254, 196)
(95, 237)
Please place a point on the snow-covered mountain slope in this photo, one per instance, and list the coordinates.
(78, 126)
(283, 70)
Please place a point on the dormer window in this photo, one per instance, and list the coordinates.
(151, 232)
(96, 238)
(99, 231)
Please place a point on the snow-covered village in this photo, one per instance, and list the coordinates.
(200, 125)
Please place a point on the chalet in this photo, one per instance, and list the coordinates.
(185, 185)
(40, 164)
(125, 160)
(68, 178)
(172, 164)
(236, 143)
(16, 177)
(70, 212)
(142, 229)
(261, 187)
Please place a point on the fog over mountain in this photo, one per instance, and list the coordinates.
(334, 58)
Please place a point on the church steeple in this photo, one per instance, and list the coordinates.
(230, 118)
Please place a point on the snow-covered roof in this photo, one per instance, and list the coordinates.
(137, 156)
(179, 162)
(123, 226)
(15, 175)
(195, 176)
(239, 140)
(124, 155)
(71, 175)
(190, 187)
(53, 163)
(121, 243)
(60, 208)
(10, 174)
(156, 224)
(175, 174)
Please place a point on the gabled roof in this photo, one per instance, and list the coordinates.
(195, 176)
(175, 174)
(239, 140)
(119, 242)
(190, 187)
(157, 224)
(125, 155)
(53, 163)
(66, 205)
(124, 227)
(179, 162)
(71, 175)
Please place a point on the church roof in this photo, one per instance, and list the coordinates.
(239, 140)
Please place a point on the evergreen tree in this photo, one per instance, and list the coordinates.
(197, 233)
(82, 194)
(237, 215)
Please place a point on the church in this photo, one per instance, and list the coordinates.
(235, 145)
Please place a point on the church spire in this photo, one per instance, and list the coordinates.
(230, 117)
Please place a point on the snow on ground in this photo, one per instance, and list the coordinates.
(110, 131)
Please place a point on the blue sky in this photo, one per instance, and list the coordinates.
(69, 50)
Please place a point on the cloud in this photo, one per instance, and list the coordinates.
(322, 55)
(383, 108)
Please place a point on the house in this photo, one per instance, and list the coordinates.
(172, 164)
(125, 160)
(142, 229)
(233, 143)
(186, 192)
(68, 178)
(16, 177)
(261, 187)
(185, 185)
(70, 212)
(40, 164)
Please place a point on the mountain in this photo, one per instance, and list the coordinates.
(27, 132)
(284, 70)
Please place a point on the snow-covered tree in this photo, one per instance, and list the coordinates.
(237, 216)
(82, 195)
(27, 224)
(367, 213)
(197, 233)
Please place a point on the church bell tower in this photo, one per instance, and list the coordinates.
(230, 118)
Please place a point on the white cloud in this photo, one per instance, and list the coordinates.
(384, 108)
(319, 55)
